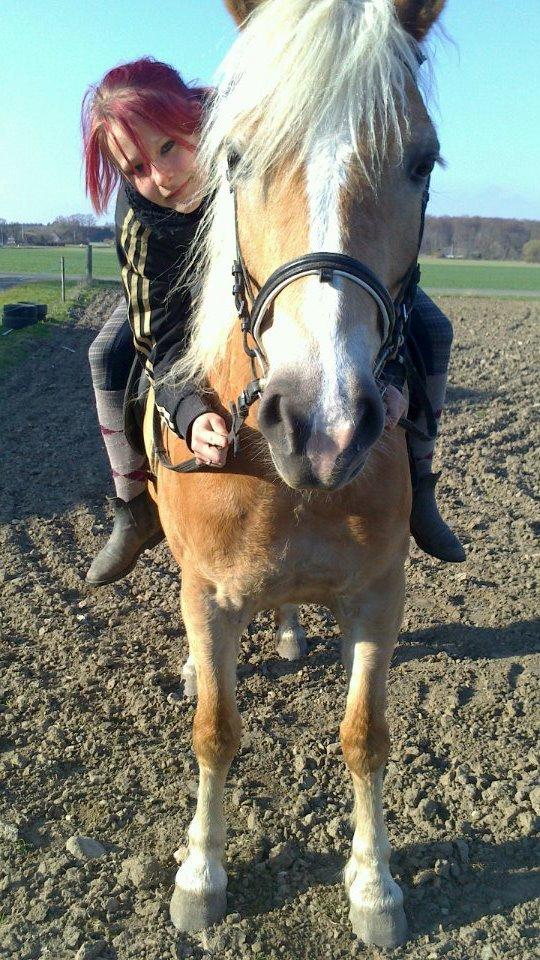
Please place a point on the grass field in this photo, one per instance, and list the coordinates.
(511, 277)
(47, 260)
(480, 275)
(17, 344)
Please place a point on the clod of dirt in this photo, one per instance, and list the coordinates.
(85, 848)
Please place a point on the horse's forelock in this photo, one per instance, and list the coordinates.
(300, 68)
(303, 65)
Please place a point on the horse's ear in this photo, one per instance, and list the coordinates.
(240, 9)
(418, 16)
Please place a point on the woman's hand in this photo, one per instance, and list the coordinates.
(209, 440)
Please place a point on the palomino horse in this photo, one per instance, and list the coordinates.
(318, 147)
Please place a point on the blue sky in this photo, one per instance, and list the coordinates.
(487, 79)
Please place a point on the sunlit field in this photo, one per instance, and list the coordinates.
(508, 277)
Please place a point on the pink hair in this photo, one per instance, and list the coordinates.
(146, 90)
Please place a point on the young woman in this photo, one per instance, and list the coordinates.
(141, 128)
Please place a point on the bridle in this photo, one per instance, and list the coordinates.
(393, 315)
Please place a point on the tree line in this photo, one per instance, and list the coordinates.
(76, 228)
(482, 238)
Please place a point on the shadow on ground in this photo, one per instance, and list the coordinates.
(53, 454)
(482, 882)
(463, 640)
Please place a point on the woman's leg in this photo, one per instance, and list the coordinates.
(136, 521)
(111, 355)
(432, 332)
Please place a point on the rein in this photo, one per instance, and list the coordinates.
(393, 318)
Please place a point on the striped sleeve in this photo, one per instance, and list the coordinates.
(134, 245)
(158, 313)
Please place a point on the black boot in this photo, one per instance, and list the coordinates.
(428, 528)
(136, 528)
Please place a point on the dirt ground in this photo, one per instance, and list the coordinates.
(95, 732)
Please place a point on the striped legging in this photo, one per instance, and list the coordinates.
(112, 353)
(111, 356)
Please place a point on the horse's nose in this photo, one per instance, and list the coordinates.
(285, 416)
(325, 446)
(330, 447)
(291, 421)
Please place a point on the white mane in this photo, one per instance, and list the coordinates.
(298, 68)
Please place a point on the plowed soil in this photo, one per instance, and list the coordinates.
(95, 731)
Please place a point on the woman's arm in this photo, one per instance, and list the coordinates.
(158, 311)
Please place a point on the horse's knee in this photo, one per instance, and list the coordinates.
(216, 733)
(97, 357)
(365, 741)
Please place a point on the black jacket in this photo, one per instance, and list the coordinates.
(152, 244)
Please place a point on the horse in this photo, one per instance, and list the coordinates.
(318, 148)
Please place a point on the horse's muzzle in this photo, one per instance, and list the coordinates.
(308, 453)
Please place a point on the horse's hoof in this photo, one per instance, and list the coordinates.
(189, 677)
(381, 928)
(292, 644)
(196, 911)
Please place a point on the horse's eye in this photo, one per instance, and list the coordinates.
(421, 169)
(238, 168)
(233, 159)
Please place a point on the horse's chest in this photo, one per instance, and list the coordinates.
(307, 562)
(251, 543)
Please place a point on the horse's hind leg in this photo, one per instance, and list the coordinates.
(189, 676)
(291, 645)
(291, 636)
(370, 632)
(199, 897)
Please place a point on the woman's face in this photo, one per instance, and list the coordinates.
(171, 178)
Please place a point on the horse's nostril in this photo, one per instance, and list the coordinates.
(270, 410)
(285, 417)
(370, 419)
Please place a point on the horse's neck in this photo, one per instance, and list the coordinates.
(228, 381)
(233, 375)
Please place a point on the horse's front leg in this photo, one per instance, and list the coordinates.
(199, 897)
(369, 636)
(291, 644)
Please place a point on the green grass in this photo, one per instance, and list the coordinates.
(510, 276)
(18, 344)
(46, 291)
(47, 260)
(480, 275)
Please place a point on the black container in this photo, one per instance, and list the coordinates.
(23, 314)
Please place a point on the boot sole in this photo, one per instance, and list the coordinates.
(446, 559)
(153, 542)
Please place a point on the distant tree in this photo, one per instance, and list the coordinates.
(487, 238)
(75, 228)
(87, 219)
(531, 251)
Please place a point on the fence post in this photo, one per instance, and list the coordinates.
(63, 278)
(89, 263)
